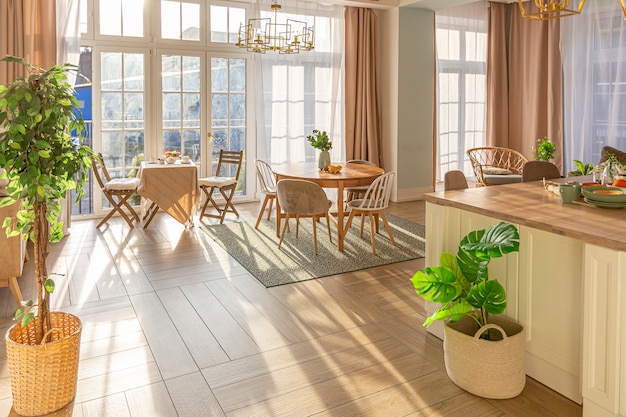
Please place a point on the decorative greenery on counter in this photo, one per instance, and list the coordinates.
(582, 169)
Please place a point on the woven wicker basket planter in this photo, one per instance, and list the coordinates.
(487, 368)
(43, 377)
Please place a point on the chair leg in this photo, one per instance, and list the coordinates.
(269, 210)
(386, 223)
(314, 220)
(330, 237)
(282, 235)
(117, 207)
(258, 220)
(372, 232)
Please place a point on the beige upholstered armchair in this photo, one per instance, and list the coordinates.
(495, 165)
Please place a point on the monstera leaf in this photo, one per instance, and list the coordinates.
(489, 296)
(452, 311)
(437, 284)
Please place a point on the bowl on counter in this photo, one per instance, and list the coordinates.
(605, 193)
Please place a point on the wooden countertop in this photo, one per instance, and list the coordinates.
(529, 204)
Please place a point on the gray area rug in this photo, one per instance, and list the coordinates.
(257, 250)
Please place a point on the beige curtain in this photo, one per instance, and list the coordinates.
(27, 30)
(497, 130)
(532, 78)
(363, 122)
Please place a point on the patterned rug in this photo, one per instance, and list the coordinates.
(257, 250)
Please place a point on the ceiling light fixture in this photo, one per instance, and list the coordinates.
(263, 34)
(553, 9)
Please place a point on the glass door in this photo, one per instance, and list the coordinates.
(229, 114)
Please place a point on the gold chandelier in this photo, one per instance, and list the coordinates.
(263, 34)
(552, 9)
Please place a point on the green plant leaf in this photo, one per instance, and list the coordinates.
(437, 284)
(452, 311)
(27, 318)
(498, 240)
(488, 295)
(49, 285)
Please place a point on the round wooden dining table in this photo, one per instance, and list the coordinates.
(351, 175)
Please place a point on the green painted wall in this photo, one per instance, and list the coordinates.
(416, 66)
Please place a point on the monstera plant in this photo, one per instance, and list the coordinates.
(461, 283)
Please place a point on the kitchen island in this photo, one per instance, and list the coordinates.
(565, 285)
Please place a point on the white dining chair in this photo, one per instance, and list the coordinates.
(373, 204)
(267, 180)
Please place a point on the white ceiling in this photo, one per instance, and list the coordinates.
(422, 4)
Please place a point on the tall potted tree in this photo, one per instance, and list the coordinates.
(38, 115)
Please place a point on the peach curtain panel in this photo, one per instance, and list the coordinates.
(363, 122)
(532, 78)
(27, 30)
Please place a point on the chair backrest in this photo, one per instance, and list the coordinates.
(361, 161)
(454, 180)
(232, 158)
(495, 157)
(266, 176)
(537, 170)
(100, 170)
(378, 194)
(301, 197)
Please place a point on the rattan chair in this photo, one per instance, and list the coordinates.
(301, 198)
(490, 165)
(373, 204)
(537, 170)
(226, 184)
(116, 190)
(267, 179)
(454, 180)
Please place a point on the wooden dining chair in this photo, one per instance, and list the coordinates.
(116, 190)
(301, 198)
(267, 179)
(537, 170)
(229, 163)
(373, 204)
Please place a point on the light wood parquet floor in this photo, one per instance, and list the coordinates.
(174, 327)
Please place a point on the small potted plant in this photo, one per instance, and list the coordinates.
(545, 149)
(470, 305)
(320, 140)
(581, 169)
(38, 115)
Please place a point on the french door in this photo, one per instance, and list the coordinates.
(195, 103)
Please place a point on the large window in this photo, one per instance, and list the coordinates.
(461, 39)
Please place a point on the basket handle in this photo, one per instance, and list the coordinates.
(49, 332)
(486, 327)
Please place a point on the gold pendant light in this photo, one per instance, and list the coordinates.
(553, 9)
(263, 34)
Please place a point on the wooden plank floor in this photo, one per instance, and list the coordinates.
(172, 326)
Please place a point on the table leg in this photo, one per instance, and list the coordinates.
(340, 230)
(278, 216)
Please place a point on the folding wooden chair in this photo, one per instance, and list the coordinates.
(116, 190)
(225, 184)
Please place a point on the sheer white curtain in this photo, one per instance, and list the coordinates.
(68, 33)
(593, 47)
(301, 92)
(461, 46)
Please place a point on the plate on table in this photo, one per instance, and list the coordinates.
(604, 204)
(605, 193)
